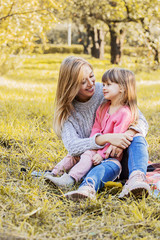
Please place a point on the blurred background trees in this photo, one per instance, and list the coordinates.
(96, 25)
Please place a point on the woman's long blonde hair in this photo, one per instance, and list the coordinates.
(70, 78)
(126, 80)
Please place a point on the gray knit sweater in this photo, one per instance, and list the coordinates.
(77, 129)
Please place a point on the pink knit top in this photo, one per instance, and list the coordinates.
(118, 122)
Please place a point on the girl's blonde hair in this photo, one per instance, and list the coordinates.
(70, 78)
(126, 80)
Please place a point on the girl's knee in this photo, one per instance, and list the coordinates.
(117, 163)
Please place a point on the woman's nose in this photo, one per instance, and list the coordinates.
(90, 82)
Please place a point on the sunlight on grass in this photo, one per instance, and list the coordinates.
(32, 209)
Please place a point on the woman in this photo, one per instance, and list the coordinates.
(77, 99)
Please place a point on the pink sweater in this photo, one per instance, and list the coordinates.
(118, 122)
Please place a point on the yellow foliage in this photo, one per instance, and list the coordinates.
(21, 22)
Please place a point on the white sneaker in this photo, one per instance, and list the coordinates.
(82, 193)
(64, 181)
(41, 173)
(136, 185)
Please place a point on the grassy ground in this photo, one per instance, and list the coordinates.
(32, 209)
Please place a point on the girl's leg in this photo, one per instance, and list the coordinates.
(64, 165)
(137, 166)
(107, 170)
(83, 166)
(76, 173)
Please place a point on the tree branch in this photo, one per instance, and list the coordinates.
(20, 13)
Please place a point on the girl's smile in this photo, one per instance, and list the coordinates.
(111, 90)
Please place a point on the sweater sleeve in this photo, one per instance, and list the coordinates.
(73, 143)
(142, 125)
(97, 124)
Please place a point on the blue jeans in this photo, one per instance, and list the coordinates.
(135, 157)
(108, 170)
(102, 173)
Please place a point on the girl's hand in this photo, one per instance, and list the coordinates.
(97, 159)
(113, 151)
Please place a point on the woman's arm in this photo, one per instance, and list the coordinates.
(142, 125)
(122, 140)
(74, 144)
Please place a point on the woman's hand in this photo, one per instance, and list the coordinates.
(113, 151)
(121, 140)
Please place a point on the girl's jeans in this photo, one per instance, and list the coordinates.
(108, 170)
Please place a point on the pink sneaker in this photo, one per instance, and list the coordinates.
(136, 185)
(82, 193)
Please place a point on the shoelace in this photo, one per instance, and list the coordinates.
(138, 177)
(92, 185)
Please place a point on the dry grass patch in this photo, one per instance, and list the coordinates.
(32, 209)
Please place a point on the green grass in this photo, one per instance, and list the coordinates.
(32, 209)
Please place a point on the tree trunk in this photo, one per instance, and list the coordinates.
(97, 49)
(116, 42)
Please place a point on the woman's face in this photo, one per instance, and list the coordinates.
(87, 88)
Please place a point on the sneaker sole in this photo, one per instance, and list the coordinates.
(75, 196)
(138, 193)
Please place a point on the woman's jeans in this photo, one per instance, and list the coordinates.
(135, 157)
(109, 171)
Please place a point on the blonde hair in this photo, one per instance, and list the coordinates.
(70, 78)
(126, 80)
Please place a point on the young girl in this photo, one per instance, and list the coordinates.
(113, 116)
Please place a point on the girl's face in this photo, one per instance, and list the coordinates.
(111, 91)
(87, 88)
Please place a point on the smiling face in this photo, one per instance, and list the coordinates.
(87, 86)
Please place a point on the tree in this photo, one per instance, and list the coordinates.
(20, 24)
(114, 14)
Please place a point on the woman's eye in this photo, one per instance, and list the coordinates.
(83, 82)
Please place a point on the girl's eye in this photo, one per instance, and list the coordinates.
(92, 76)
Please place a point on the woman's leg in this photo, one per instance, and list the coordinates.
(107, 170)
(138, 155)
(137, 166)
(135, 157)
